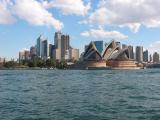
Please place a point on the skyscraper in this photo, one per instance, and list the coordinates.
(38, 46)
(99, 45)
(64, 45)
(131, 53)
(44, 49)
(139, 53)
(57, 40)
(155, 57)
(51, 50)
(145, 56)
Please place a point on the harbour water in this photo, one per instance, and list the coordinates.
(80, 94)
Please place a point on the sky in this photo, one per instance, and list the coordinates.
(132, 22)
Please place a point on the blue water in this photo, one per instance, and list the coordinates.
(80, 95)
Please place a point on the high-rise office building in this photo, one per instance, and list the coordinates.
(51, 50)
(139, 53)
(38, 46)
(145, 56)
(62, 42)
(64, 45)
(57, 40)
(131, 53)
(44, 49)
(155, 57)
(99, 46)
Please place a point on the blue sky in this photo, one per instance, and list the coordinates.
(133, 23)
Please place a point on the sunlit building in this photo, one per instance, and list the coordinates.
(56, 54)
(74, 54)
(65, 45)
(24, 55)
(112, 56)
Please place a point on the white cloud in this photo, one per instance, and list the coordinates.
(5, 14)
(132, 26)
(128, 13)
(102, 34)
(154, 47)
(67, 7)
(33, 12)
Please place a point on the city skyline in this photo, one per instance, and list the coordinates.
(83, 20)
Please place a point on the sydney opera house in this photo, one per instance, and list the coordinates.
(111, 57)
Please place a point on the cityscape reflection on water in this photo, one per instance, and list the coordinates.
(79, 94)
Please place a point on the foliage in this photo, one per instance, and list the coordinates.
(10, 64)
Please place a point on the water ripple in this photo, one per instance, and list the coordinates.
(79, 95)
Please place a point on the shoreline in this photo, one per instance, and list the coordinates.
(76, 68)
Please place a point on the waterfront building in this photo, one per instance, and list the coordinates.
(99, 46)
(38, 46)
(65, 45)
(145, 56)
(131, 53)
(116, 57)
(66, 57)
(51, 50)
(74, 54)
(110, 48)
(24, 55)
(139, 53)
(27, 54)
(56, 54)
(44, 49)
(156, 57)
(57, 40)
(32, 51)
(2, 60)
(62, 42)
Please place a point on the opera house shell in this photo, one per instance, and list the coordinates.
(111, 57)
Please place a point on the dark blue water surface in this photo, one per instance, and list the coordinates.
(80, 95)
